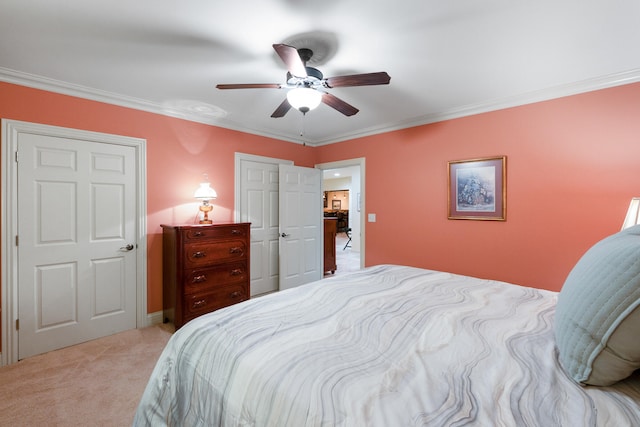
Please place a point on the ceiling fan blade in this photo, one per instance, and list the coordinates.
(380, 78)
(338, 104)
(291, 59)
(250, 86)
(282, 109)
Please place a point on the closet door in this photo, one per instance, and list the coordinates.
(76, 241)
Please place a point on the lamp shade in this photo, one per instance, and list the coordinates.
(304, 99)
(633, 213)
(205, 192)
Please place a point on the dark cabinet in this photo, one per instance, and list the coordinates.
(330, 228)
(205, 268)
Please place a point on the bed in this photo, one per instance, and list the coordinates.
(385, 346)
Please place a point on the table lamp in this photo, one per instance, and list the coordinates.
(205, 193)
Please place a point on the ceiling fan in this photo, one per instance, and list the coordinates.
(306, 84)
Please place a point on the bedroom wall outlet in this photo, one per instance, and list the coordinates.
(372, 217)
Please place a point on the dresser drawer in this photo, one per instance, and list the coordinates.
(198, 304)
(205, 279)
(219, 232)
(208, 253)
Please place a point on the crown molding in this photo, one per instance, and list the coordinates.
(65, 88)
(201, 114)
(590, 85)
(84, 92)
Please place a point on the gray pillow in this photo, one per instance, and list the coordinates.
(597, 316)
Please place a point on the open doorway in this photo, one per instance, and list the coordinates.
(343, 201)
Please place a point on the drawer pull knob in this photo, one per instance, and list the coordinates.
(235, 250)
(235, 294)
(199, 254)
(199, 303)
(236, 272)
(236, 231)
(198, 234)
(199, 279)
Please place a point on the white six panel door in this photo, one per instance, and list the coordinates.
(259, 206)
(76, 237)
(300, 226)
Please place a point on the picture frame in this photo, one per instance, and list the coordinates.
(477, 189)
(335, 204)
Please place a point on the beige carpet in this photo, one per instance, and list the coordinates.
(97, 383)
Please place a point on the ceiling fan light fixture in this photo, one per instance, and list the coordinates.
(304, 99)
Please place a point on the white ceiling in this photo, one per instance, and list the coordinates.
(446, 59)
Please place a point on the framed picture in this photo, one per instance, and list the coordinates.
(477, 189)
(335, 204)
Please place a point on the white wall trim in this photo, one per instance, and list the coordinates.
(561, 91)
(155, 318)
(57, 86)
(8, 285)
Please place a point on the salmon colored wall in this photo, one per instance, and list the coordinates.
(178, 153)
(573, 165)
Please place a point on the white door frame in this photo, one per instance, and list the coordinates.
(9, 227)
(360, 161)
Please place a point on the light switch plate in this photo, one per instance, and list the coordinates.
(372, 217)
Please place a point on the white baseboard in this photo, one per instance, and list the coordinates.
(154, 318)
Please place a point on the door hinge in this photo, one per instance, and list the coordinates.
(16, 240)
(17, 157)
(17, 324)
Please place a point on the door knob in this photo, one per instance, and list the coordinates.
(284, 235)
(127, 248)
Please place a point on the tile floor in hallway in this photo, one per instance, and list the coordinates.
(346, 259)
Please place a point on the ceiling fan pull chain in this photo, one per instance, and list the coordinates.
(302, 129)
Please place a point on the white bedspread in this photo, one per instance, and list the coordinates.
(386, 346)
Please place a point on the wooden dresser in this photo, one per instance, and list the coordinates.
(205, 267)
(330, 227)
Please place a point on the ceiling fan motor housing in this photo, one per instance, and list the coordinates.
(313, 78)
(313, 74)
